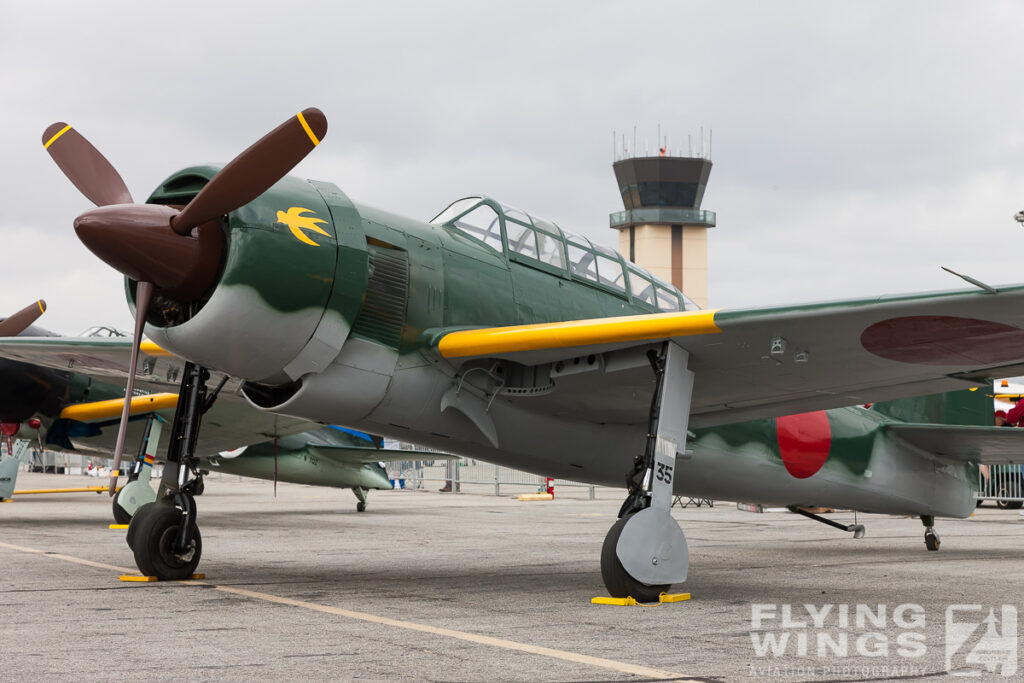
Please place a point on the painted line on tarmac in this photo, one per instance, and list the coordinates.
(66, 558)
(564, 655)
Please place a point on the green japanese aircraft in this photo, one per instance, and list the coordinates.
(71, 411)
(495, 334)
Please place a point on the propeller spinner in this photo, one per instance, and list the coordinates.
(178, 252)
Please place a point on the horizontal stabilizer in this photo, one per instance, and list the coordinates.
(983, 445)
(354, 455)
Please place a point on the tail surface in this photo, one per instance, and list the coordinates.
(968, 407)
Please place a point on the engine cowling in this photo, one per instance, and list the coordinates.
(289, 288)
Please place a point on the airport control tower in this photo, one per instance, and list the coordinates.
(663, 228)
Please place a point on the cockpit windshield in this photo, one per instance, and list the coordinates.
(532, 240)
(103, 331)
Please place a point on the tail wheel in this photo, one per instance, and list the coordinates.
(616, 579)
(154, 545)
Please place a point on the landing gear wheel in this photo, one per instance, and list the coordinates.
(154, 545)
(360, 507)
(136, 520)
(616, 579)
(931, 540)
(120, 515)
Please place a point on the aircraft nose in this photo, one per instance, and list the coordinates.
(138, 241)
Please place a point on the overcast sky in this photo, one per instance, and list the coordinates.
(857, 146)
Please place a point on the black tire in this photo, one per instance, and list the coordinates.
(154, 543)
(360, 506)
(1004, 504)
(121, 516)
(931, 541)
(616, 579)
(136, 520)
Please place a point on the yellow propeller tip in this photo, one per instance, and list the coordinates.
(53, 138)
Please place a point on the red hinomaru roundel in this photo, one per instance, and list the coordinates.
(804, 442)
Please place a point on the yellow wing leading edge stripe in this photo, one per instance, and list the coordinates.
(98, 410)
(574, 333)
(305, 127)
(151, 348)
(56, 135)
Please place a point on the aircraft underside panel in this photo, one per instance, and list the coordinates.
(896, 479)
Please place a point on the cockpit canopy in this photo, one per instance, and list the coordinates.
(542, 244)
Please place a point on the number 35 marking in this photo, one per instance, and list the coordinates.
(664, 473)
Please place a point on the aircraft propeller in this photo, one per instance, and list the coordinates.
(17, 323)
(160, 247)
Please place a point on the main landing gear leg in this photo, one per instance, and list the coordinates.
(163, 534)
(138, 491)
(931, 539)
(645, 551)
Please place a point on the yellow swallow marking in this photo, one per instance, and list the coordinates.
(294, 219)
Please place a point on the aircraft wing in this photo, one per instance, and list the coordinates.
(104, 359)
(230, 423)
(356, 455)
(982, 445)
(758, 363)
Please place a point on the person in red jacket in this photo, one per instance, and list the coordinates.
(1016, 413)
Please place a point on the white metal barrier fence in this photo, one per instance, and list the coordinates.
(422, 474)
(1004, 484)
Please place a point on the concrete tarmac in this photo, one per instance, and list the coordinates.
(426, 586)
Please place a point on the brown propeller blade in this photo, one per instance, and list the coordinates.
(143, 295)
(84, 166)
(153, 245)
(252, 172)
(19, 322)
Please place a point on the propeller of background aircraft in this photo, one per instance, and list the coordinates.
(12, 326)
(17, 323)
(177, 251)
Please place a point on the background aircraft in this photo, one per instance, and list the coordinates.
(485, 332)
(73, 412)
